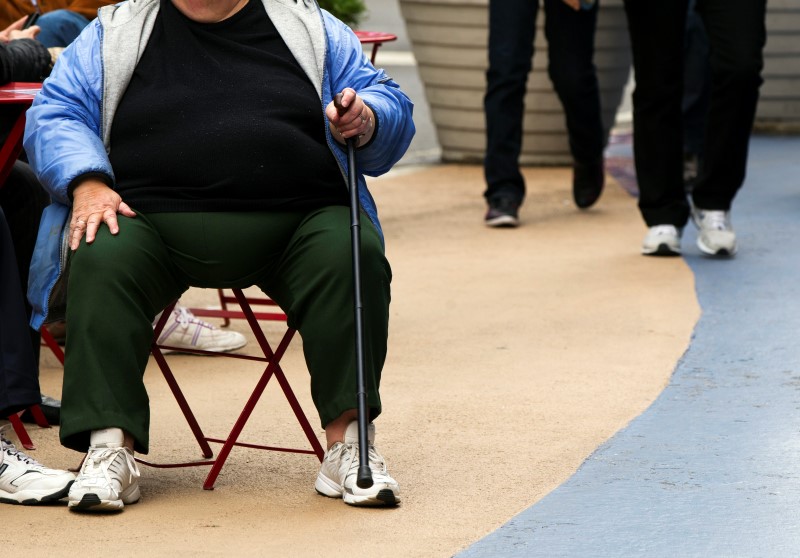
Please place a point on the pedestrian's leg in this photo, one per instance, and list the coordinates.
(570, 47)
(736, 32)
(696, 83)
(656, 30)
(512, 26)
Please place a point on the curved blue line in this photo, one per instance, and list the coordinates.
(712, 468)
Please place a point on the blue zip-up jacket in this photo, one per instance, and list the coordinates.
(68, 126)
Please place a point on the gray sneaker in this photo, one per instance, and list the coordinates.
(716, 236)
(109, 479)
(662, 240)
(337, 476)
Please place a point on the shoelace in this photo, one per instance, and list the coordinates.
(11, 450)
(376, 461)
(184, 317)
(715, 220)
(102, 459)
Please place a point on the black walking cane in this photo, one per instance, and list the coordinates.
(364, 478)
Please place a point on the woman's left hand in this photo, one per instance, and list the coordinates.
(356, 121)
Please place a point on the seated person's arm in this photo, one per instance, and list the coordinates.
(63, 129)
(390, 108)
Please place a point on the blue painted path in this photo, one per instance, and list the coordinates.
(712, 468)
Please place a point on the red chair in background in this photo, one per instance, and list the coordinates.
(273, 368)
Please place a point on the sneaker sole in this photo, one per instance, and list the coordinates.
(384, 498)
(505, 221)
(34, 500)
(90, 502)
(662, 250)
(722, 252)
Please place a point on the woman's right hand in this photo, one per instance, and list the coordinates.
(93, 203)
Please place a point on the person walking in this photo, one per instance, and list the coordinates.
(570, 29)
(736, 34)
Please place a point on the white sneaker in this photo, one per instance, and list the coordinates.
(337, 476)
(23, 480)
(185, 331)
(662, 240)
(716, 236)
(108, 479)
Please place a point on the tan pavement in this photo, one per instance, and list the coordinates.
(513, 355)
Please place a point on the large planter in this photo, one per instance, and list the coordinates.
(779, 102)
(449, 39)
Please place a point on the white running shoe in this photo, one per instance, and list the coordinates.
(23, 480)
(662, 240)
(185, 331)
(108, 479)
(337, 476)
(716, 236)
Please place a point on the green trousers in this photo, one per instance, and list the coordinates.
(302, 260)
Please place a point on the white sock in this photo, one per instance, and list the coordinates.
(107, 437)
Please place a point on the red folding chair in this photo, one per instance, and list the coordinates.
(273, 369)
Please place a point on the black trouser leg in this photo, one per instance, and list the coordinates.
(19, 386)
(656, 30)
(512, 27)
(570, 48)
(23, 199)
(736, 33)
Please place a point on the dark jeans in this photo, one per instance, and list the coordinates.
(736, 33)
(60, 27)
(22, 200)
(302, 260)
(736, 36)
(570, 38)
(19, 385)
(696, 82)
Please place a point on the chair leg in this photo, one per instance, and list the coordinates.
(52, 344)
(287, 390)
(182, 403)
(21, 433)
(230, 441)
(224, 305)
(173, 384)
(38, 416)
(298, 412)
